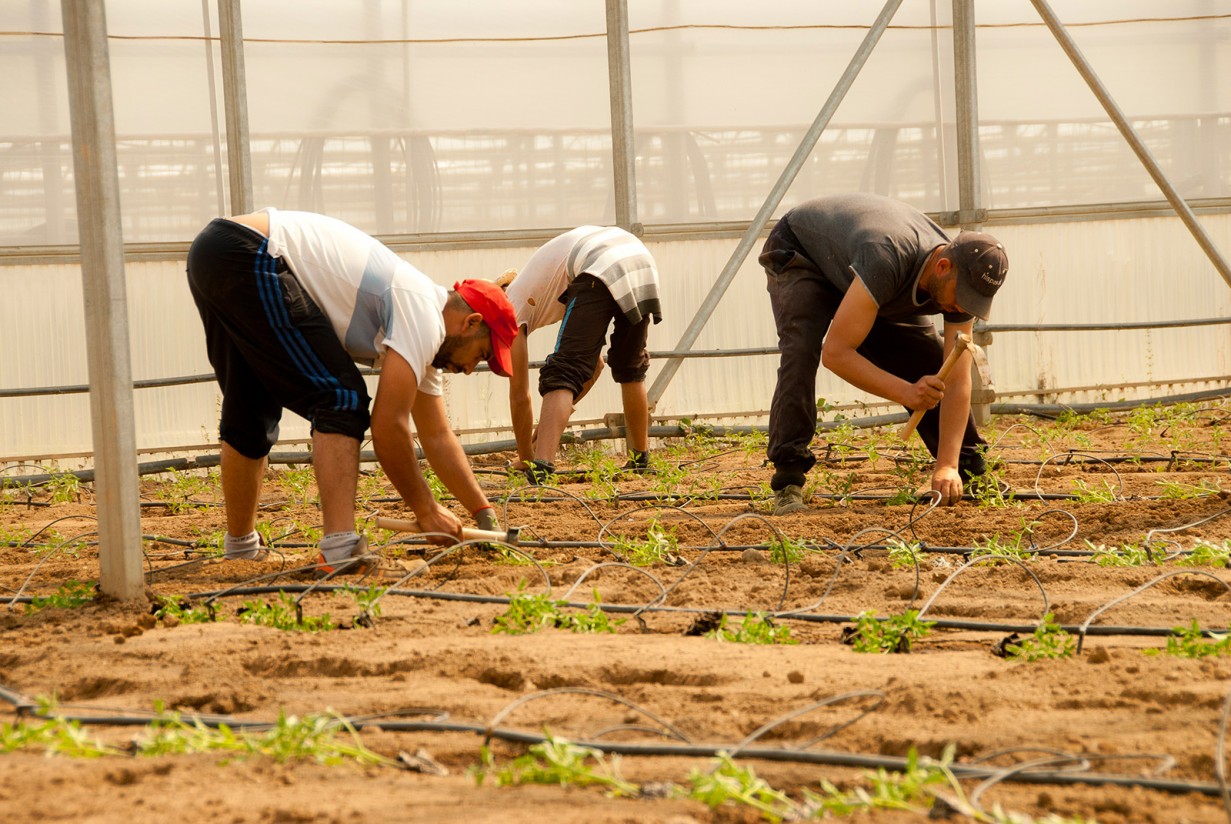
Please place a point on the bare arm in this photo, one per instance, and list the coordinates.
(397, 396)
(954, 411)
(520, 408)
(850, 327)
(444, 452)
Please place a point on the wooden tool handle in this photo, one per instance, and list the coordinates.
(959, 346)
(468, 534)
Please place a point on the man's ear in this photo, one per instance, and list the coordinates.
(472, 322)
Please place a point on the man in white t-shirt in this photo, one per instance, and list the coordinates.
(588, 280)
(291, 301)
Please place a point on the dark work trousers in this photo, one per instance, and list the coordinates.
(269, 343)
(590, 311)
(804, 303)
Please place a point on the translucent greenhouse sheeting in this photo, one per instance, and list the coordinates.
(423, 117)
(1113, 271)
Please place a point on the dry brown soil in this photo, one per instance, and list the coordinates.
(1150, 722)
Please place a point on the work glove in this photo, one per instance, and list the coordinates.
(486, 519)
(539, 471)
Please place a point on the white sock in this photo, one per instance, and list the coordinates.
(244, 547)
(338, 546)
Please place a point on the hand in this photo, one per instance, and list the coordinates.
(925, 393)
(437, 519)
(948, 483)
(486, 519)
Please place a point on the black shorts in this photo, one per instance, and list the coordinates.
(591, 309)
(269, 343)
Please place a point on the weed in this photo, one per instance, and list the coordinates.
(1048, 641)
(71, 594)
(529, 613)
(1207, 553)
(283, 614)
(757, 628)
(1190, 642)
(893, 634)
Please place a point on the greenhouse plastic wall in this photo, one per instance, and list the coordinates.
(452, 130)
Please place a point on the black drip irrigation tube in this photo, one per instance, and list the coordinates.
(25, 707)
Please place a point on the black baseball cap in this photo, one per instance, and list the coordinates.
(981, 264)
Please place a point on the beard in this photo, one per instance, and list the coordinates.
(448, 348)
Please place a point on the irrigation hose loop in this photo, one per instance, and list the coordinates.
(1085, 625)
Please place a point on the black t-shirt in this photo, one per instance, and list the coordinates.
(881, 240)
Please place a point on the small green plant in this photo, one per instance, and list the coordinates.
(995, 546)
(1190, 642)
(729, 783)
(838, 485)
(895, 633)
(180, 489)
(786, 551)
(1207, 553)
(367, 598)
(659, 546)
(65, 488)
(69, 595)
(1049, 641)
(903, 555)
(1086, 494)
(910, 790)
(283, 614)
(528, 613)
(558, 762)
(1179, 491)
(182, 611)
(756, 628)
(1125, 555)
(439, 491)
(53, 737)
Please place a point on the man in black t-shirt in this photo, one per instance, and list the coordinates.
(863, 273)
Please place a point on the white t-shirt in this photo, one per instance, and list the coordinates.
(374, 299)
(535, 292)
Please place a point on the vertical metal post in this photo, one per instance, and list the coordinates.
(969, 215)
(1126, 130)
(967, 104)
(623, 147)
(106, 309)
(235, 99)
(723, 282)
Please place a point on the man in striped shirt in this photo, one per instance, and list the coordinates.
(588, 279)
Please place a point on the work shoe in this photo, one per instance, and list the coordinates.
(638, 462)
(789, 499)
(359, 562)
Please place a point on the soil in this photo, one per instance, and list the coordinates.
(430, 675)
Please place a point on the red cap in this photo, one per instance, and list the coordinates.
(489, 300)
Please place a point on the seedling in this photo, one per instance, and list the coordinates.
(727, 783)
(529, 613)
(1049, 641)
(1207, 553)
(65, 487)
(994, 546)
(904, 555)
(559, 762)
(910, 790)
(1125, 555)
(1190, 642)
(71, 594)
(182, 611)
(1179, 491)
(659, 546)
(893, 634)
(299, 482)
(757, 628)
(786, 551)
(1085, 494)
(54, 737)
(283, 614)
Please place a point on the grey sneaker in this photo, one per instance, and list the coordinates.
(360, 562)
(789, 499)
